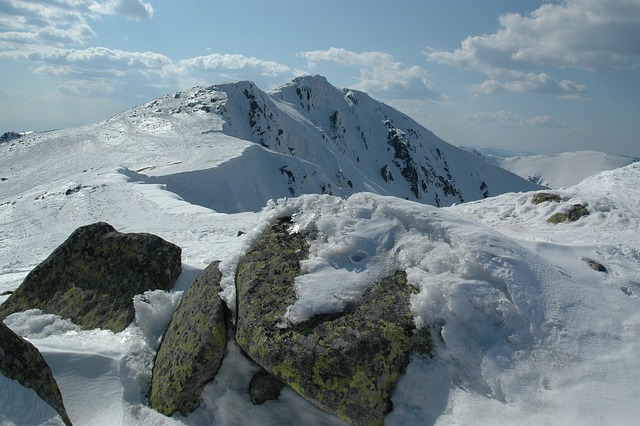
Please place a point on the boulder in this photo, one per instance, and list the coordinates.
(264, 387)
(192, 348)
(574, 213)
(542, 197)
(91, 278)
(346, 363)
(22, 362)
(596, 266)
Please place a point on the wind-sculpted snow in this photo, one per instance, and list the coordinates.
(22, 406)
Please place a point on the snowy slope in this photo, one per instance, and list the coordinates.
(527, 332)
(560, 170)
(341, 141)
(530, 333)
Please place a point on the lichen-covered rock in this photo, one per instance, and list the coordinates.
(192, 347)
(574, 213)
(91, 278)
(22, 362)
(542, 197)
(264, 387)
(346, 363)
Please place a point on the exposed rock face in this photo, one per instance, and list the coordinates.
(542, 197)
(92, 277)
(192, 348)
(264, 387)
(21, 361)
(596, 266)
(574, 213)
(347, 363)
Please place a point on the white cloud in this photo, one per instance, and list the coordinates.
(61, 22)
(583, 34)
(379, 72)
(587, 34)
(511, 119)
(52, 36)
(86, 88)
(531, 83)
(546, 121)
(500, 118)
(217, 61)
(131, 9)
(84, 71)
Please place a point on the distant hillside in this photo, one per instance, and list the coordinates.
(558, 170)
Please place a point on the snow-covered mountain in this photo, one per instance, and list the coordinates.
(558, 170)
(527, 331)
(310, 137)
(232, 147)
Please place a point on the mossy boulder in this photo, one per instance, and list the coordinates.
(91, 278)
(542, 197)
(264, 387)
(574, 213)
(192, 348)
(346, 363)
(22, 362)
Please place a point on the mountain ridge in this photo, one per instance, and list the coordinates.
(306, 136)
(355, 140)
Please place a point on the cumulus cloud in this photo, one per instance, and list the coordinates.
(60, 22)
(531, 83)
(217, 61)
(500, 118)
(511, 119)
(545, 121)
(379, 72)
(587, 34)
(131, 9)
(583, 34)
(84, 71)
(53, 36)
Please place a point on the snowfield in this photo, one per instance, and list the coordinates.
(559, 170)
(526, 332)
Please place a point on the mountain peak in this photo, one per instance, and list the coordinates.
(310, 80)
(358, 143)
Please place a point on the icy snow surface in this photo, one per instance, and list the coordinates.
(526, 332)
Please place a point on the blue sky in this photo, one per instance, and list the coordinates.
(527, 76)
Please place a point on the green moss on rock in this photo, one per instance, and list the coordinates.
(574, 213)
(542, 197)
(348, 363)
(92, 277)
(192, 348)
(22, 362)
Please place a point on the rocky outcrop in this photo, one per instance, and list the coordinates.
(572, 214)
(92, 277)
(21, 361)
(264, 387)
(192, 347)
(346, 363)
(542, 197)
